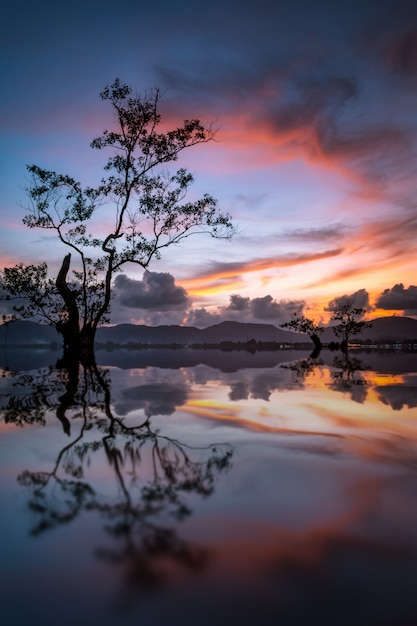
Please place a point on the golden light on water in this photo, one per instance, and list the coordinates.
(324, 405)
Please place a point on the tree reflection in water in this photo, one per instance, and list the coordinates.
(155, 475)
(303, 368)
(347, 376)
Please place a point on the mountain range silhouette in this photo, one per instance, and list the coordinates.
(389, 329)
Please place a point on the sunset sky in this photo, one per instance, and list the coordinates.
(315, 102)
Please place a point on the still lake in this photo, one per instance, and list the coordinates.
(185, 487)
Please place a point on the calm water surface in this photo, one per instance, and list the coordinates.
(175, 487)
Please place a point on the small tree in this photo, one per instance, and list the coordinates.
(149, 214)
(302, 324)
(348, 321)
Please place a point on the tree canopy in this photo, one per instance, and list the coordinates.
(348, 321)
(149, 213)
(305, 325)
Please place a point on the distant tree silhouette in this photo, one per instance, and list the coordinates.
(148, 214)
(348, 321)
(302, 324)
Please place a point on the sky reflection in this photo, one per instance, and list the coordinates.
(283, 493)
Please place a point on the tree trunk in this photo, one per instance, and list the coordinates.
(78, 342)
(317, 341)
(70, 327)
(86, 353)
(317, 345)
(79, 347)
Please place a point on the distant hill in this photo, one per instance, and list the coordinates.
(27, 333)
(225, 331)
(384, 329)
(238, 331)
(393, 328)
(389, 329)
(131, 333)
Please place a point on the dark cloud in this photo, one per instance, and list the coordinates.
(238, 303)
(201, 318)
(249, 310)
(156, 290)
(336, 232)
(398, 299)
(154, 300)
(267, 308)
(358, 299)
(264, 309)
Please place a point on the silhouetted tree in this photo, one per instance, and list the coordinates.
(149, 214)
(302, 324)
(348, 321)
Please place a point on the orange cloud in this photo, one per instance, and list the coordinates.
(375, 256)
(212, 280)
